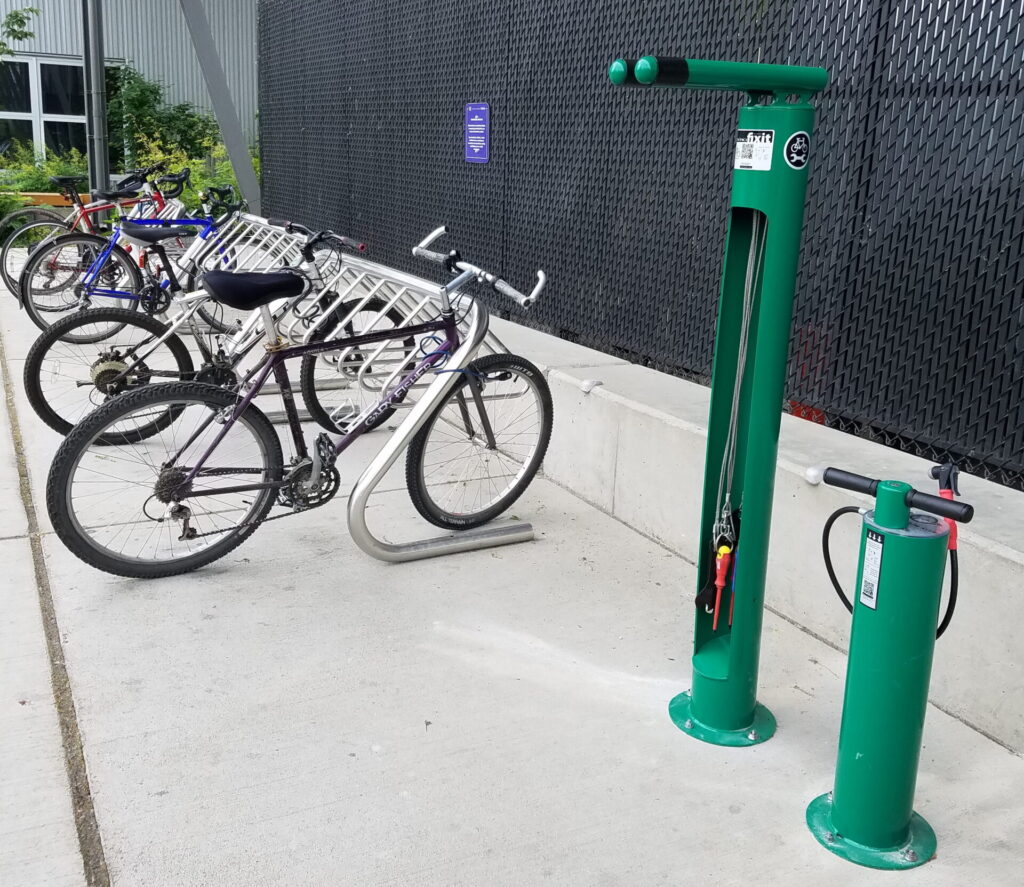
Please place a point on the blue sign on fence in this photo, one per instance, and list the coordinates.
(478, 133)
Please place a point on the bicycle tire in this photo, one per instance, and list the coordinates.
(60, 482)
(312, 398)
(64, 419)
(430, 439)
(45, 319)
(27, 214)
(8, 270)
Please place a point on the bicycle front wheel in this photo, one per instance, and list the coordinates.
(483, 445)
(65, 380)
(52, 283)
(338, 385)
(129, 510)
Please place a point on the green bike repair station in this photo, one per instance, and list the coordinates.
(868, 817)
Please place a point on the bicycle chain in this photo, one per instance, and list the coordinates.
(265, 520)
(214, 472)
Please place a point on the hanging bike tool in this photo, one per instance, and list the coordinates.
(868, 818)
(762, 250)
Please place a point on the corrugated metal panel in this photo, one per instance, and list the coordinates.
(151, 35)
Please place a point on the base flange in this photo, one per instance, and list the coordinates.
(917, 850)
(680, 709)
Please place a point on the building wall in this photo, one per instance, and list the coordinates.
(907, 322)
(152, 37)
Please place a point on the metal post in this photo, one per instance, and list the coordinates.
(95, 93)
(223, 105)
(869, 816)
(751, 348)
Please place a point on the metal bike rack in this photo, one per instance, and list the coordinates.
(250, 243)
(468, 540)
(356, 282)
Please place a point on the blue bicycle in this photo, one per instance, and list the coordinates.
(74, 272)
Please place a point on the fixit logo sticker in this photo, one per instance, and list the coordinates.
(798, 147)
(754, 149)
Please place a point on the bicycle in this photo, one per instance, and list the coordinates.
(71, 270)
(33, 226)
(70, 370)
(198, 468)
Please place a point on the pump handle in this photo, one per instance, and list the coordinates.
(958, 511)
(836, 477)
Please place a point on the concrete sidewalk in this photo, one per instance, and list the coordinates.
(299, 714)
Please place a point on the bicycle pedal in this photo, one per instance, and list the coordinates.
(325, 450)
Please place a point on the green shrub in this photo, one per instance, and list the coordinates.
(139, 119)
(213, 169)
(24, 170)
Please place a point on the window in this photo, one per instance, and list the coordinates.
(62, 88)
(42, 102)
(14, 88)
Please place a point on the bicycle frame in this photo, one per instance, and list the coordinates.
(274, 365)
(82, 217)
(208, 226)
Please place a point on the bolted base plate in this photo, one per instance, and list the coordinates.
(680, 710)
(918, 849)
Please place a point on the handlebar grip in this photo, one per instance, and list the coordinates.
(357, 245)
(278, 223)
(958, 511)
(429, 255)
(836, 477)
(507, 290)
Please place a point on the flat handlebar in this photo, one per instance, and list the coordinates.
(847, 480)
(454, 262)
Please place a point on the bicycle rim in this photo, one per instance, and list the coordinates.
(19, 246)
(112, 495)
(66, 380)
(51, 283)
(458, 476)
(339, 385)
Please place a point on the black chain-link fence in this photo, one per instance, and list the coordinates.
(908, 326)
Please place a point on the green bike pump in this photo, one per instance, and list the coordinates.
(868, 817)
(755, 312)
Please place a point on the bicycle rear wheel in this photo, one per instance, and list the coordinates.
(128, 510)
(66, 380)
(51, 284)
(20, 242)
(480, 448)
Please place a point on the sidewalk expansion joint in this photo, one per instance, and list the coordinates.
(89, 841)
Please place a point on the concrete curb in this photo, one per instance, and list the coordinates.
(631, 441)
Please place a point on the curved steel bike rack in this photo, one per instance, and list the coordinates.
(468, 540)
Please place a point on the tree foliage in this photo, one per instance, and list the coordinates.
(139, 118)
(15, 27)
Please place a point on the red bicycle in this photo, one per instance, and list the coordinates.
(32, 226)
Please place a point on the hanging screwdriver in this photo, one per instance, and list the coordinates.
(722, 560)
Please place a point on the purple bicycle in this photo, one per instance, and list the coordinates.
(170, 477)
